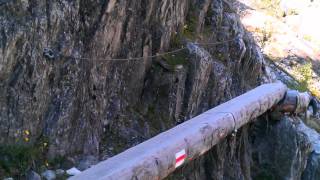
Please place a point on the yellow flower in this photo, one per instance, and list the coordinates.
(26, 132)
(45, 144)
(26, 139)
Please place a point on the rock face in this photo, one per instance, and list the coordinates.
(79, 102)
(49, 175)
(87, 106)
(33, 176)
(312, 170)
(279, 152)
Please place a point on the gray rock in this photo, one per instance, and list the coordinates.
(313, 136)
(9, 178)
(73, 171)
(60, 172)
(49, 175)
(31, 175)
(101, 105)
(107, 92)
(312, 171)
(278, 148)
(87, 162)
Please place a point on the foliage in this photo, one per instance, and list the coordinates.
(189, 30)
(176, 59)
(307, 38)
(306, 72)
(272, 7)
(314, 91)
(292, 12)
(267, 32)
(304, 75)
(16, 160)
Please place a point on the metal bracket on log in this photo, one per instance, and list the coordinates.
(295, 102)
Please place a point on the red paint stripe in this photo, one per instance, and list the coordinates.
(180, 158)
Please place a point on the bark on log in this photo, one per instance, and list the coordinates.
(157, 157)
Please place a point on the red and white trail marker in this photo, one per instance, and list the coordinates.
(180, 157)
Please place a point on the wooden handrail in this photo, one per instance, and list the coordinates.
(159, 156)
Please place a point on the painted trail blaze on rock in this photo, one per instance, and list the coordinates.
(180, 157)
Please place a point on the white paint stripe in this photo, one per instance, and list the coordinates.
(178, 156)
(180, 153)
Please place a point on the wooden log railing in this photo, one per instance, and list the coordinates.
(159, 156)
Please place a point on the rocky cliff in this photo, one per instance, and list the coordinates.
(78, 102)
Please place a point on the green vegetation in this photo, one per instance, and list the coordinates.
(265, 33)
(299, 87)
(56, 161)
(293, 12)
(153, 116)
(176, 59)
(307, 38)
(306, 72)
(16, 160)
(189, 30)
(272, 7)
(190, 27)
(188, 33)
(264, 176)
(176, 41)
(304, 76)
